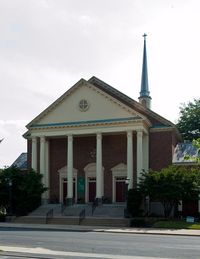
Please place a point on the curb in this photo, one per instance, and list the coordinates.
(76, 228)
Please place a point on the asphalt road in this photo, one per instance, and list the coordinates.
(62, 244)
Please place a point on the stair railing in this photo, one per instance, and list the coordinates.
(94, 205)
(49, 215)
(63, 207)
(81, 216)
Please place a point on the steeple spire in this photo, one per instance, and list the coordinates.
(144, 97)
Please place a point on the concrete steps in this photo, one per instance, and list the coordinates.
(107, 211)
(30, 220)
(104, 215)
(89, 221)
(106, 222)
(43, 209)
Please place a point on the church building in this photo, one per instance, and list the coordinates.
(94, 140)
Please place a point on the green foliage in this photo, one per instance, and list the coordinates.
(169, 224)
(134, 201)
(171, 185)
(189, 121)
(25, 192)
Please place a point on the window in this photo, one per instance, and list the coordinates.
(83, 105)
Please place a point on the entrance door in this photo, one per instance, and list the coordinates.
(92, 189)
(120, 190)
(65, 190)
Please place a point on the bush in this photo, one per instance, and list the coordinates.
(24, 192)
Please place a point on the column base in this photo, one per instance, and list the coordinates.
(69, 201)
(99, 201)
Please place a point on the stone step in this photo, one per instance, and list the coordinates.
(88, 221)
(30, 220)
(107, 222)
(109, 211)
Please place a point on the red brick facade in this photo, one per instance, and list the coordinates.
(114, 152)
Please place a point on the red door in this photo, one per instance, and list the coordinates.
(120, 191)
(92, 191)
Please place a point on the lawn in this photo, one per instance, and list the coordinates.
(176, 224)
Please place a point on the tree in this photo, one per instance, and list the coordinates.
(20, 191)
(189, 121)
(171, 185)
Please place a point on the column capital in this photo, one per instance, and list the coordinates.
(129, 133)
(70, 137)
(139, 133)
(42, 138)
(34, 139)
(99, 135)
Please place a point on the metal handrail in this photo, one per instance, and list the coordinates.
(63, 207)
(81, 216)
(94, 205)
(49, 215)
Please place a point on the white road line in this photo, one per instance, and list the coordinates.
(44, 251)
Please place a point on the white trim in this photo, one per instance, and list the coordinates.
(119, 170)
(63, 175)
(120, 127)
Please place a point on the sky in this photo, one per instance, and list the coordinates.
(46, 46)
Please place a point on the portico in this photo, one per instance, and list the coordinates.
(95, 172)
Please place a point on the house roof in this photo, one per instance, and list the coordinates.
(21, 161)
(184, 153)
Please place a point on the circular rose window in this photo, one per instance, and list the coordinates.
(83, 105)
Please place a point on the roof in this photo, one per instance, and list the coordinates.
(21, 162)
(184, 153)
(155, 119)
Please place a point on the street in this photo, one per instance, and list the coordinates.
(62, 244)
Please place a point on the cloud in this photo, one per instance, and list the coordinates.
(46, 46)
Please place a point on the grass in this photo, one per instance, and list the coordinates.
(173, 224)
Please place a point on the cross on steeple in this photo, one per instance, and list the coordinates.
(144, 35)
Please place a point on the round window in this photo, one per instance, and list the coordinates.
(83, 105)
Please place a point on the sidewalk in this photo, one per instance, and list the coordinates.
(123, 230)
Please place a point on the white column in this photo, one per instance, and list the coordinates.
(139, 154)
(34, 154)
(47, 183)
(43, 166)
(70, 168)
(130, 159)
(99, 188)
(42, 157)
(146, 152)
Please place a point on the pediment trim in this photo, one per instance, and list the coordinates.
(80, 83)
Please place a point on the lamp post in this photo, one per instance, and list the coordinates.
(126, 213)
(10, 196)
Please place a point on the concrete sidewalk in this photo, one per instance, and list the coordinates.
(123, 230)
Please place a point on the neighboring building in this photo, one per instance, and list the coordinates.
(93, 138)
(185, 154)
(21, 162)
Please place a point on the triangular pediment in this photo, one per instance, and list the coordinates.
(72, 107)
